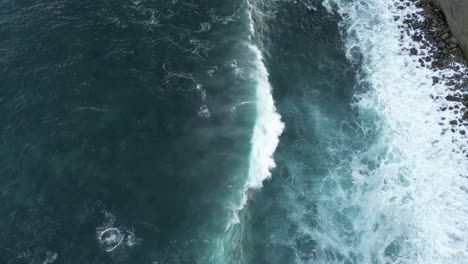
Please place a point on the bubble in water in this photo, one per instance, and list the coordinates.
(111, 238)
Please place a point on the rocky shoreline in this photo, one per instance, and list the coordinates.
(439, 51)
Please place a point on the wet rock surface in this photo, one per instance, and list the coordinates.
(439, 51)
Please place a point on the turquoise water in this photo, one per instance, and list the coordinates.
(314, 88)
(222, 131)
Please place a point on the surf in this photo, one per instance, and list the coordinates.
(406, 201)
(268, 126)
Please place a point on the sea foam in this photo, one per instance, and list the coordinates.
(268, 125)
(407, 203)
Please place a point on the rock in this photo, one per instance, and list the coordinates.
(450, 98)
(438, 49)
(441, 45)
(421, 62)
(417, 37)
(456, 15)
(462, 132)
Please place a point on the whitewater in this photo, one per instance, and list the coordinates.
(401, 199)
(268, 125)
(248, 131)
(407, 201)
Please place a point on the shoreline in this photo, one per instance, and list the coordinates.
(437, 50)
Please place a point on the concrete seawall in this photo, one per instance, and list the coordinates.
(456, 13)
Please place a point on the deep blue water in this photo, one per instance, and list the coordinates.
(104, 110)
(227, 131)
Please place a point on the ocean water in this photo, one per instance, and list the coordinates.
(228, 131)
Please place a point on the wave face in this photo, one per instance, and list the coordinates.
(268, 126)
(267, 130)
(265, 138)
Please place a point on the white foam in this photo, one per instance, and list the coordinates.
(51, 257)
(268, 126)
(267, 130)
(111, 238)
(416, 194)
(204, 27)
(237, 105)
(202, 92)
(204, 111)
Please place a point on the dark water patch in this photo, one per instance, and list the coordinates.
(122, 108)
